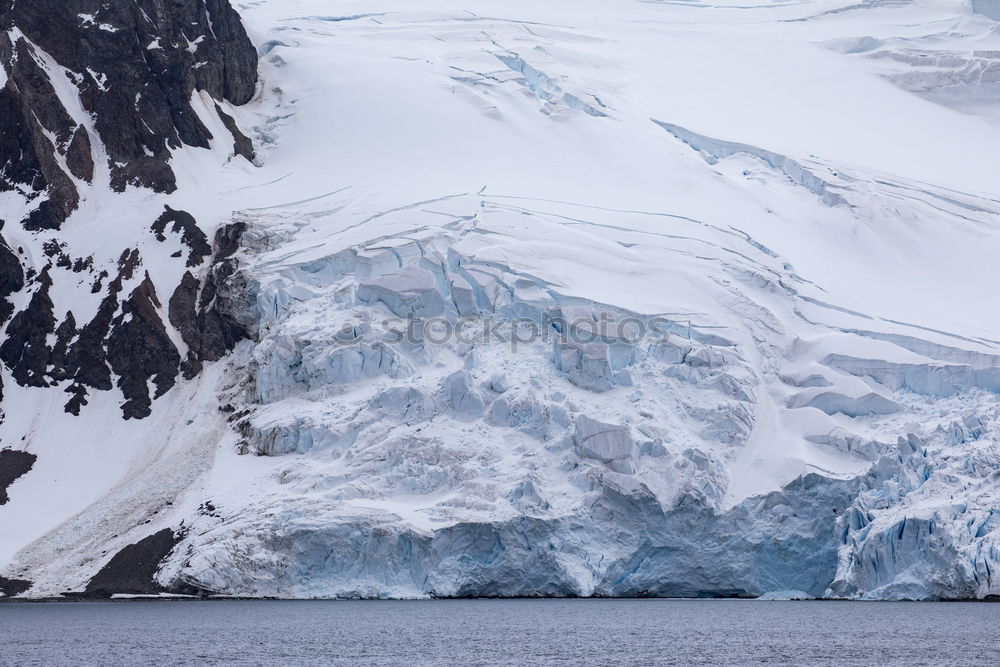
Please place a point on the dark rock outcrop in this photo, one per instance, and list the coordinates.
(30, 110)
(26, 351)
(134, 65)
(132, 569)
(241, 142)
(120, 76)
(202, 313)
(11, 279)
(183, 223)
(12, 587)
(126, 343)
(140, 351)
(86, 362)
(13, 464)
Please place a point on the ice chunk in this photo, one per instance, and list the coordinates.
(585, 365)
(410, 292)
(831, 402)
(601, 441)
(463, 398)
(988, 8)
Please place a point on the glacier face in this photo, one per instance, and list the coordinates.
(571, 299)
(546, 452)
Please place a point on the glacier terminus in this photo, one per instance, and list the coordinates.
(612, 298)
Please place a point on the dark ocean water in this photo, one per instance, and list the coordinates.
(487, 632)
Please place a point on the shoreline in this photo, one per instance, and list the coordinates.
(119, 598)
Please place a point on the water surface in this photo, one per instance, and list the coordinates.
(486, 632)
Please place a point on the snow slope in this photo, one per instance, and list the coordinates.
(797, 204)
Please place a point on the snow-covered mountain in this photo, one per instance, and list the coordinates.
(589, 297)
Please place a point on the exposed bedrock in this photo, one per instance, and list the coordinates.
(213, 313)
(140, 352)
(131, 571)
(127, 342)
(97, 95)
(12, 587)
(11, 279)
(184, 225)
(133, 67)
(32, 111)
(26, 349)
(13, 465)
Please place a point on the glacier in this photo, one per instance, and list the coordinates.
(547, 299)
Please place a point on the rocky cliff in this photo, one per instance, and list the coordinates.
(99, 97)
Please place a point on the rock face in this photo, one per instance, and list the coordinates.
(26, 351)
(13, 464)
(140, 352)
(131, 570)
(98, 97)
(126, 344)
(133, 66)
(203, 310)
(11, 279)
